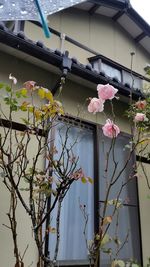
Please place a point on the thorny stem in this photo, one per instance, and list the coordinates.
(13, 224)
(57, 228)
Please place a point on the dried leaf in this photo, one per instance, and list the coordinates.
(52, 230)
(107, 220)
(118, 263)
(117, 241)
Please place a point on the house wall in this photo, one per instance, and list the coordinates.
(25, 239)
(144, 196)
(97, 32)
(73, 97)
(23, 72)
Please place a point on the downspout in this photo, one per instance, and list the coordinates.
(65, 68)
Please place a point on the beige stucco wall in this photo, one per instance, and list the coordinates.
(97, 32)
(144, 196)
(23, 72)
(25, 239)
(73, 97)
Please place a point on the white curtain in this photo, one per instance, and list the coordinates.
(72, 241)
(128, 214)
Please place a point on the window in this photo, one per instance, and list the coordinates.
(128, 216)
(107, 70)
(111, 71)
(14, 25)
(116, 72)
(72, 243)
(130, 81)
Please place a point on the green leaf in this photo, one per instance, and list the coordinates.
(8, 88)
(24, 92)
(18, 94)
(24, 189)
(14, 107)
(2, 85)
(7, 100)
(41, 93)
(107, 250)
(90, 180)
(26, 122)
(106, 239)
(117, 241)
(84, 180)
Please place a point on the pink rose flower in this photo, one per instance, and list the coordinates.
(141, 104)
(110, 129)
(106, 91)
(77, 174)
(140, 117)
(96, 105)
(30, 85)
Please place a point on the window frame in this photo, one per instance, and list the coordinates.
(17, 27)
(101, 59)
(96, 130)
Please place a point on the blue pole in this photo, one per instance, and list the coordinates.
(43, 20)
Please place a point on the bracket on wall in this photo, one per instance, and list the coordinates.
(65, 68)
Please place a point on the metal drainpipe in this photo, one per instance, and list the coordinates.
(62, 42)
(65, 67)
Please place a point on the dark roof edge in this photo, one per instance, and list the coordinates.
(21, 43)
(111, 3)
(134, 15)
(95, 54)
(39, 51)
(129, 10)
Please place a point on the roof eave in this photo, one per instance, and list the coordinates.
(55, 58)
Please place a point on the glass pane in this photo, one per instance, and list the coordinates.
(127, 229)
(72, 240)
(127, 79)
(127, 232)
(96, 65)
(121, 155)
(111, 72)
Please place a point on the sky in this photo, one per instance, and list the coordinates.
(143, 8)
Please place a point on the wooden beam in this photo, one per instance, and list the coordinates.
(93, 9)
(118, 15)
(140, 37)
(19, 127)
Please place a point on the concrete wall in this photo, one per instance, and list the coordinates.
(97, 32)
